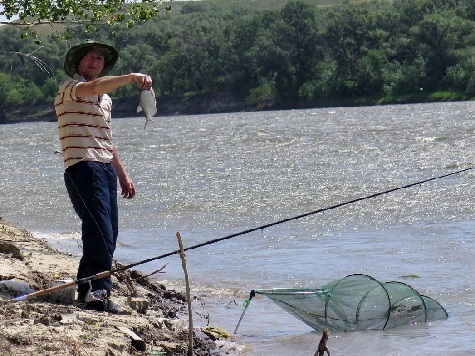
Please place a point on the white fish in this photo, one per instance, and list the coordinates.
(147, 104)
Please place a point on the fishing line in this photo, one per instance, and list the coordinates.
(262, 227)
(297, 217)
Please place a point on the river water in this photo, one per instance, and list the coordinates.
(209, 176)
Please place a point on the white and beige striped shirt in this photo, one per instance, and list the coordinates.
(83, 124)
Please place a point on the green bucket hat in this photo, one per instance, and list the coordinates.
(76, 53)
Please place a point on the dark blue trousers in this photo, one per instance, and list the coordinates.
(92, 188)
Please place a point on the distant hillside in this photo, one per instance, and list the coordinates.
(46, 29)
(274, 4)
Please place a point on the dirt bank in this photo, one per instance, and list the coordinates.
(127, 107)
(54, 325)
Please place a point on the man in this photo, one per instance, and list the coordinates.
(92, 164)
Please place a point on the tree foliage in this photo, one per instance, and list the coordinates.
(85, 12)
(299, 54)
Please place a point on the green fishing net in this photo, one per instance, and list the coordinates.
(357, 302)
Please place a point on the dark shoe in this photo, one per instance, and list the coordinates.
(96, 305)
(115, 308)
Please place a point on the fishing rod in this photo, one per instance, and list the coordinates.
(262, 227)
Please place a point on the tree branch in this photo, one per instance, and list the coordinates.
(91, 12)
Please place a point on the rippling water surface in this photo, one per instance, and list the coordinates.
(210, 176)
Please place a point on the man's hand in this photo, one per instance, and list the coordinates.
(143, 81)
(127, 186)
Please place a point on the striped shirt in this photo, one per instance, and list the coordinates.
(83, 124)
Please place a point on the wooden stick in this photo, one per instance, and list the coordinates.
(188, 296)
(59, 287)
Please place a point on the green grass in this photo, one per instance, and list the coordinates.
(423, 97)
(447, 96)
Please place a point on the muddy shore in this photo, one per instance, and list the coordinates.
(54, 325)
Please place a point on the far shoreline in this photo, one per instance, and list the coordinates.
(220, 103)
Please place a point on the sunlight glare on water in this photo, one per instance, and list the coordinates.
(209, 176)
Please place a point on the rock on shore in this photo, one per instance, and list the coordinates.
(54, 325)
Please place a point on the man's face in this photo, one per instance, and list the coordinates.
(91, 65)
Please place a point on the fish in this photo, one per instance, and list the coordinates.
(147, 104)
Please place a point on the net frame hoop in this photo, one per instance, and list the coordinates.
(341, 280)
(388, 314)
(416, 293)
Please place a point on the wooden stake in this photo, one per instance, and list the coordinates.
(188, 296)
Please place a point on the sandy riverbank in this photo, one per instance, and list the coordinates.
(53, 325)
